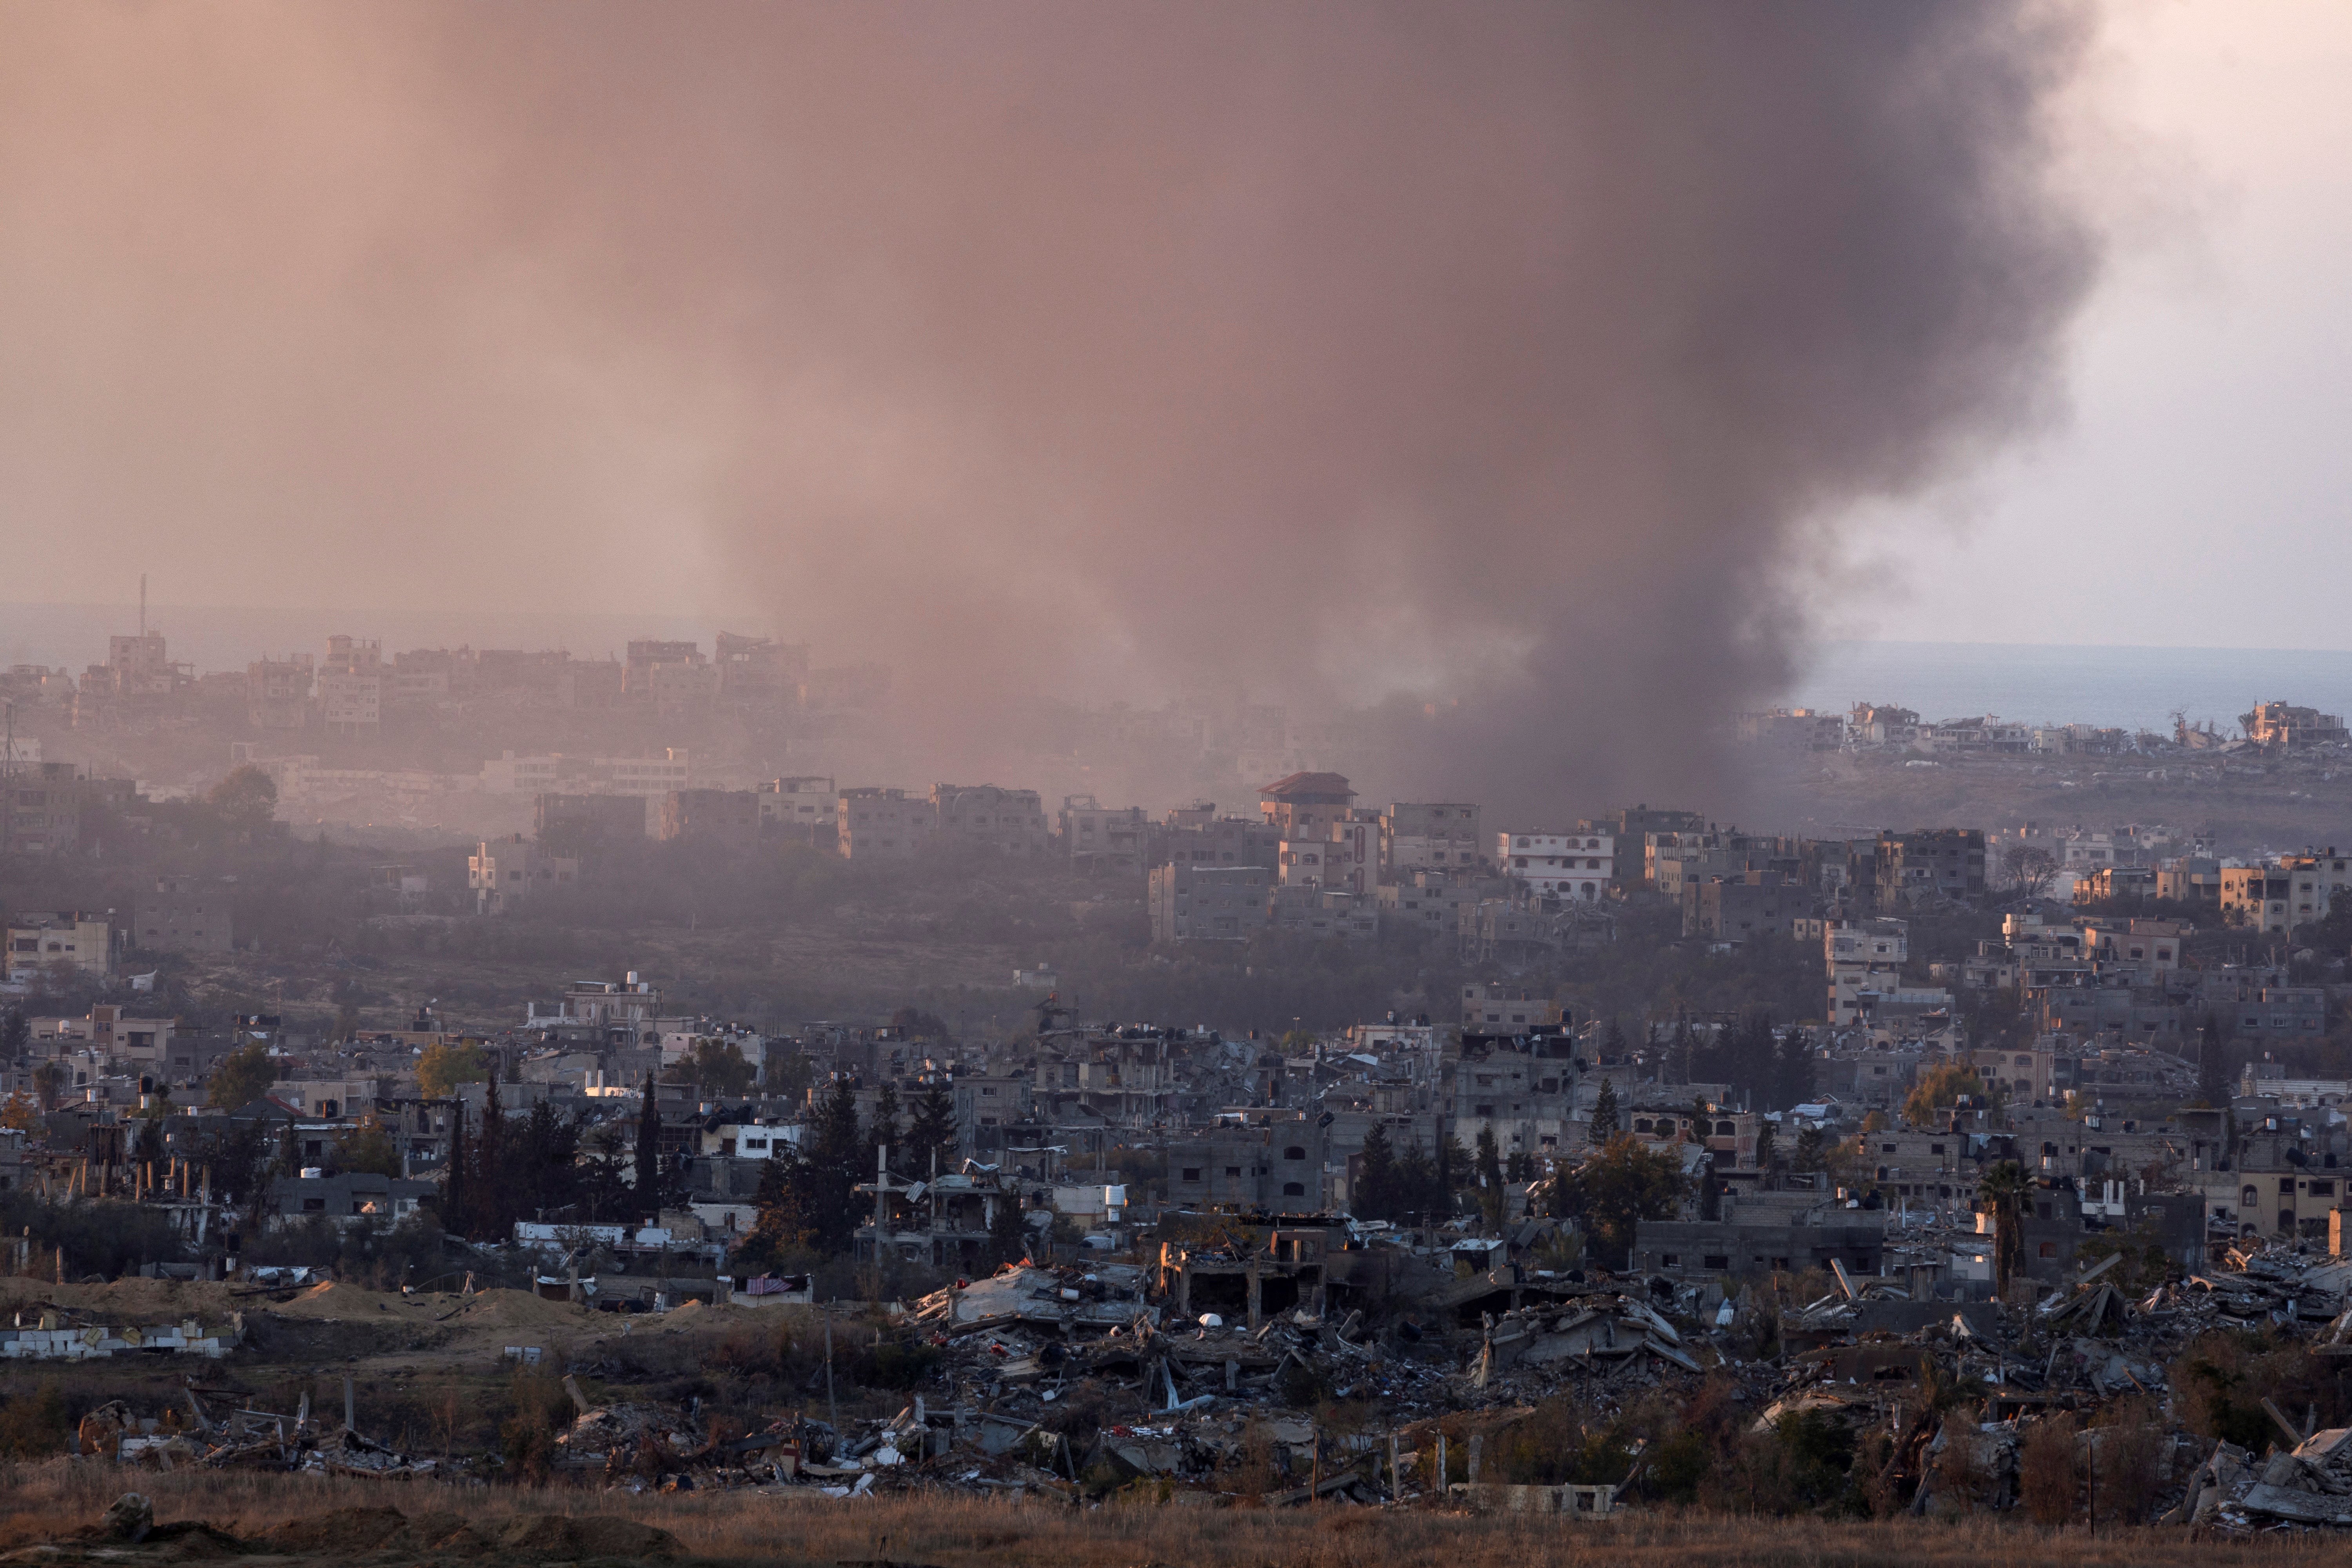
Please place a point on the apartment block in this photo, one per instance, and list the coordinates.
(1441, 836)
(187, 914)
(875, 823)
(1208, 903)
(1576, 865)
(504, 873)
(1009, 821)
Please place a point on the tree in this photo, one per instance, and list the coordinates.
(1604, 1113)
(1764, 1146)
(781, 1226)
(1941, 1088)
(2028, 868)
(244, 804)
(932, 1132)
(649, 1138)
(15, 1034)
(2213, 1067)
(20, 1113)
(1008, 1231)
(242, 1076)
(715, 1067)
(837, 1159)
(1490, 1177)
(789, 1073)
(1793, 1081)
(882, 1133)
(1702, 1119)
(1375, 1193)
(1617, 1188)
(1808, 1155)
(443, 1066)
(2003, 1190)
(366, 1146)
(918, 1025)
(49, 1084)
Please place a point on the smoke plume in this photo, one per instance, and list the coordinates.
(1495, 368)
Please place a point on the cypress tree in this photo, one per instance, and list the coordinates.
(648, 1165)
(456, 1194)
(1376, 1177)
(1604, 1113)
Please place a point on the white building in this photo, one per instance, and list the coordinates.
(350, 703)
(1558, 864)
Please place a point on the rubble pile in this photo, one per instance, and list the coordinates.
(242, 1439)
(61, 1334)
(1077, 1382)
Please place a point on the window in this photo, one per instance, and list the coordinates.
(1294, 1190)
(1716, 1260)
(1233, 1170)
(1670, 1260)
(1191, 1172)
(2049, 1249)
(1294, 1152)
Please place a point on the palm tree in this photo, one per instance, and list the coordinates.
(2003, 1190)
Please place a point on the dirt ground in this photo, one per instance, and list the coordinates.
(272, 1520)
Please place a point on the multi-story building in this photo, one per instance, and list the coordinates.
(1792, 730)
(187, 914)
(1009, 821)
(1490, 1007)
(648, 778)
(760, 673)
(2288, 727)
(1435, 903)
(727, 817)
(1877, 724)
(505, 872)
(1198, 837)
(1433, 837)
(1325, 912)
(876, 824)
(2261, 897)
(647, 655)
(350, 704)
(1101, 839)
(36, 940)
(277, 693)
(1864, 957)
(1344, 856)
(349, 686)
(1576, 865)
(1752, 904)
(807, 806)
(580, 825)
(1303, 807)
(1933, 862)
(40, 809)
(1518, 1083)
(1212, 903)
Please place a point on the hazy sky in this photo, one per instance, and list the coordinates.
(2202, 494)
(2197, 495)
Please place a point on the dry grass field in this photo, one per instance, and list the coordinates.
(50, 1501)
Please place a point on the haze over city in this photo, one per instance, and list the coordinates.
(1534, 778)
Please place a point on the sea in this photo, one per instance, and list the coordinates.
(2135, 688)
(2065, 683)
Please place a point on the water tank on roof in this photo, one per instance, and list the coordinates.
(314, 1172)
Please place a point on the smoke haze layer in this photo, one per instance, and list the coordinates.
(1497, 366)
